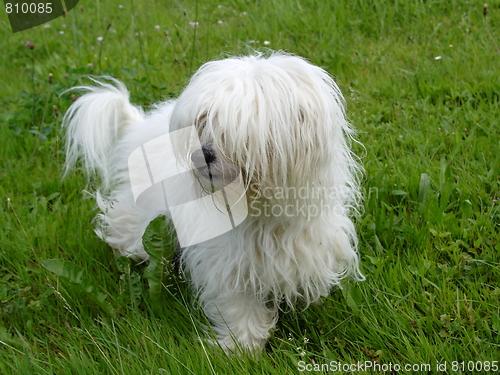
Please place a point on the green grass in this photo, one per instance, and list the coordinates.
(429, 231)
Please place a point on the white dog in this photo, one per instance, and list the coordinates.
(265, 138)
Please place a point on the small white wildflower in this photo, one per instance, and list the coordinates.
(194, 25)
(306, 340)
(302, 354)
(100, 39)
(61, 32)
(157, 27)
(220, 22)
(46, 26)
(438, 58)
(267, 42)
(120, 6)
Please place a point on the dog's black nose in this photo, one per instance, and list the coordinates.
(202, 158)
(208, 154)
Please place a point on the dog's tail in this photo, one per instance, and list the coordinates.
(94, 123)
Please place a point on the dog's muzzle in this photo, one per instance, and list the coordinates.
(207, 165)
(202, 159)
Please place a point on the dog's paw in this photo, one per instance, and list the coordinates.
(249, 344)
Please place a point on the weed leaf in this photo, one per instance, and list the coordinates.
(65, 269)
(73, 274)
(159, 244)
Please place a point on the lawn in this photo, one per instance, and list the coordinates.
(422, 83)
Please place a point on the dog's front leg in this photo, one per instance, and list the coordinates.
(239, 319)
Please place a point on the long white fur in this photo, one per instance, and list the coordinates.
(281, 121)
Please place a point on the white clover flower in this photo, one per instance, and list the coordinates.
(267, 42)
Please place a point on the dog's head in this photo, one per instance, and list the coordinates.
(277, 119)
